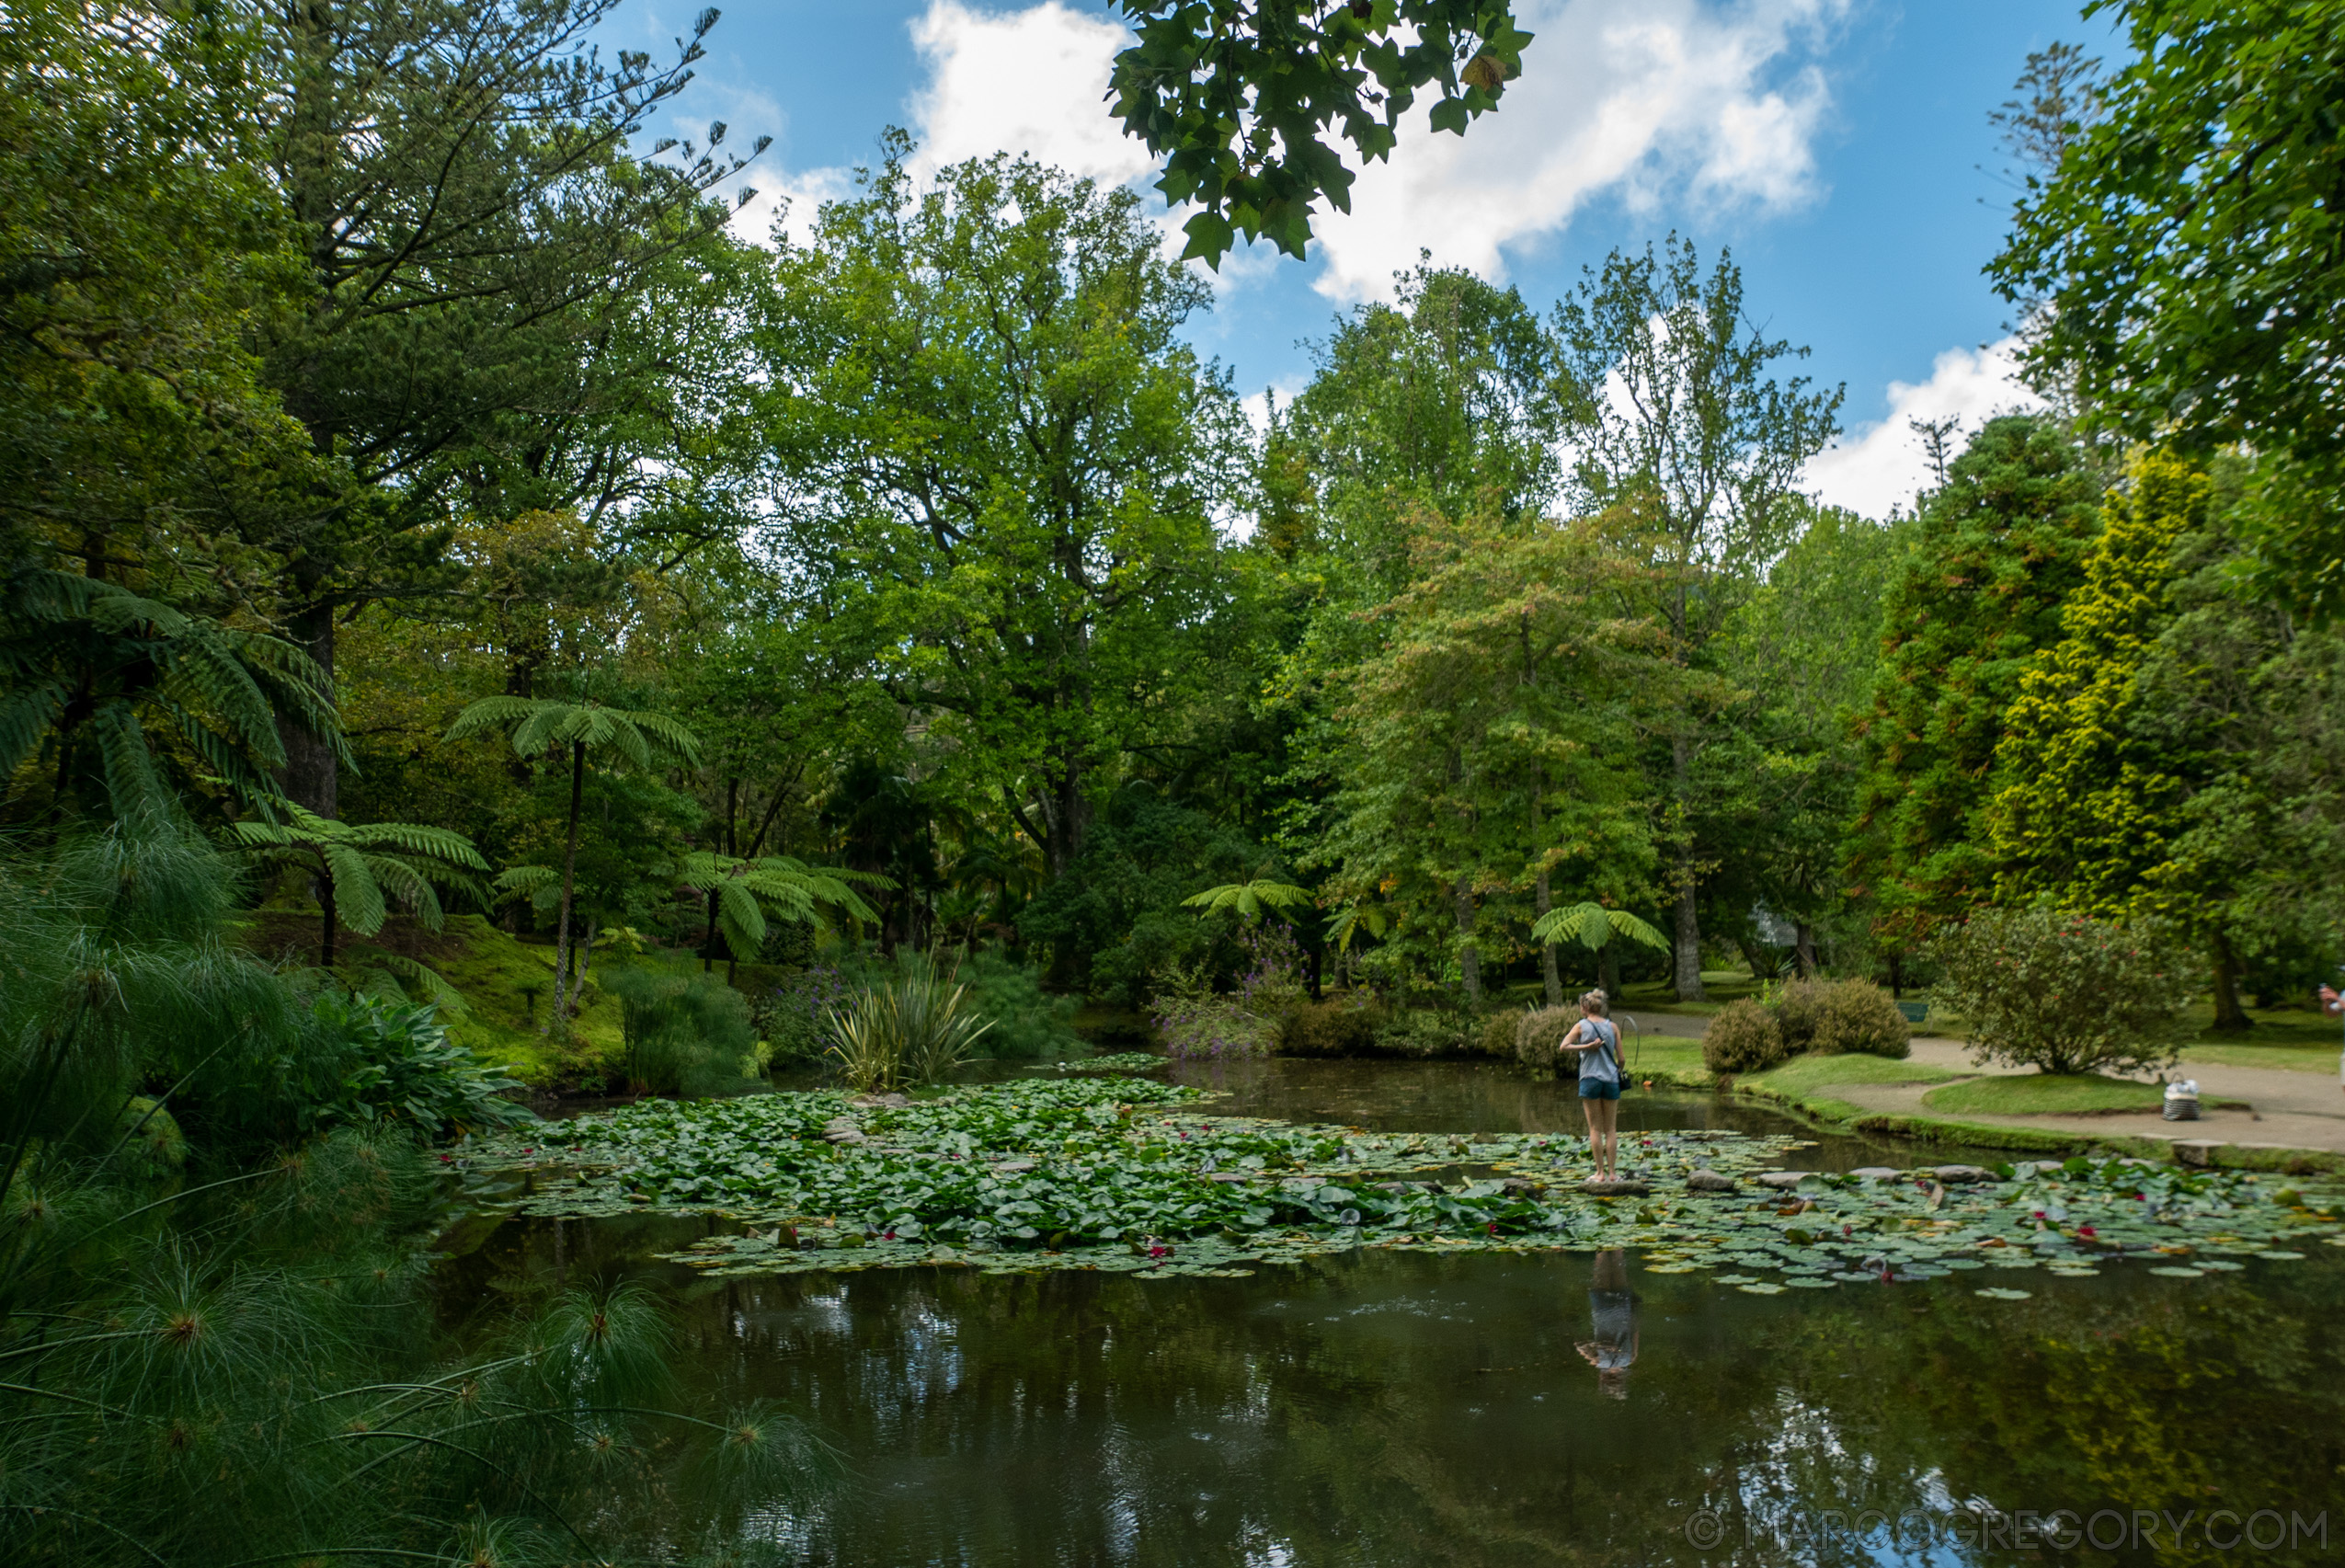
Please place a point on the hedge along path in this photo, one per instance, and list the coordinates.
(1126, 1176)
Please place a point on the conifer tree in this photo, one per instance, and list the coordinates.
(2093, 804)
(1999, 549)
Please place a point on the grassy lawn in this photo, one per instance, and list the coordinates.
(1803, 1076)
(2235, 1052)
(2039, 1094)
(1661, 1053)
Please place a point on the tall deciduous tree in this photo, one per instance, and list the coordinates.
(1238, 98)
(1672, 409)
(1998, 552)
(1000, 466)
(2187, 246)
(1485, 745)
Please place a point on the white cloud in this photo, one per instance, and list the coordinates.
(1642, 97)
(1030, 81)
(1880, 465)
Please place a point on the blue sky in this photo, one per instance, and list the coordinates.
(1835, 146)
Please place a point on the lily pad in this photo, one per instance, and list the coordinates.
(1761, 1289)
(2176, 1271)
(1997, 1293)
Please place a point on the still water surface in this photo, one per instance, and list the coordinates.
(1500, 1409)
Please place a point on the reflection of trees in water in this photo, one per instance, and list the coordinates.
(1402, 1409)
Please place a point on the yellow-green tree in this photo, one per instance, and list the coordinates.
(2093, 804)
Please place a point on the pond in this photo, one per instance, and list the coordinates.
(1387, 1407)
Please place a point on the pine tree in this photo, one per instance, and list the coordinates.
(2000, 548)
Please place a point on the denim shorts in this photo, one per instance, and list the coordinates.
(1598, 1089)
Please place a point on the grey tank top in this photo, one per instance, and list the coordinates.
(1602, 1063)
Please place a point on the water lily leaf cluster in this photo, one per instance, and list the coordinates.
(1134, 1176)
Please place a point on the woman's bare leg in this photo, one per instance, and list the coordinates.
(1590, 1109)
(1608, 1123)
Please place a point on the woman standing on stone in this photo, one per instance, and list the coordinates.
(1597, 1041)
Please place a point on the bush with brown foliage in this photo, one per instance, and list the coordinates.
(1857, 1017)
(1742, 1036)
(1338, 1026)
(1538, 1034)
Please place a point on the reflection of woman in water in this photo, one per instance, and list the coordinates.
(1613, 1307)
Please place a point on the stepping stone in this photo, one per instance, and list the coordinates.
(2196, 1150)
(888, 1102)
(1959, 1173)
(1708, 1181)
(1783, 1181)
(1615, 1189)
(1877, 1172)
(843, 1136)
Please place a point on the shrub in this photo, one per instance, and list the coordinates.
(1538, 1034)
(397, 1064)
(915, 1027)
(2062, 993)
(1421, 1034)
(1026, 1022)
(1856, 1016)
(1742, 1036)
(1193, 1022)
(1797, 1012)
(1497, 1035)
(793, 1017)
(1339, 1026)
(684, 1034)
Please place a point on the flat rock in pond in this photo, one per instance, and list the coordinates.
(1783, 1181)
(890, 1102)
(845, 1135)
(1709, 1182)
(1959, 1173)
(1877, 1172)
(1615, 1189)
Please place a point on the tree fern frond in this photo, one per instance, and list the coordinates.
(433, 984)
(358, 900)
(24, 720)
(415, 838)
(488, 716)
(202, 668)
(740, 918)
(132, 786)
(522, 881)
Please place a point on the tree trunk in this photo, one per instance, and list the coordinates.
(1549, 973)
(569, 870)
(2229, 1016)
(1686, 951)
(1607, 972)
(1688, 946)
(1469, 956)
(311, 775)
(326, 902)
(1803, 950)
(1542, 893)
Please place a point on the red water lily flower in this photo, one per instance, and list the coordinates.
(2086, 1232)
(1160, 1250)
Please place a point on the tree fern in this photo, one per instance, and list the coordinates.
(87, 668)
(362, 866)
(543, 725)
(747, 893)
